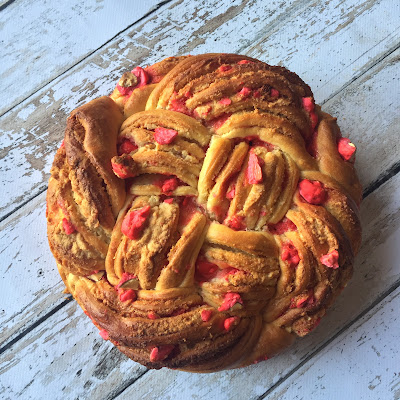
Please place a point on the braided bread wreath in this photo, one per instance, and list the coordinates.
(206, 213)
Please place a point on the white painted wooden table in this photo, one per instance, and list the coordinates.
(57, 55)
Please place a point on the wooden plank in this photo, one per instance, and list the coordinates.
(30, 283)
(68, 32)
(361, 363)
(376, 272)
(325, 46)
(373, 127)
(32, 131)
(66, 359)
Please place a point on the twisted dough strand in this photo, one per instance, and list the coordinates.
(83, 190)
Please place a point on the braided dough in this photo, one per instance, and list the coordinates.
(206, 213)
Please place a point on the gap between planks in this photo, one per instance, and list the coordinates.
(35, 324)
(357, 76)
(6, 4)
(384, 177)
(377, 301)
(24, 203)
(38, 89)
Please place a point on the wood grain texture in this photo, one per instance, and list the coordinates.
(361, 363)
(41, 44)
(65, 358)
(29, 280)
(30, 133)
(376, 272)
(332, 43)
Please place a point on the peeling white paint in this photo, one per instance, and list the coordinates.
(41, 40)
(26, 112)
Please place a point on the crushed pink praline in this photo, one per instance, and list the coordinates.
(230, 299)
(205, 270)
(274, 93)
(225, 101)
(133, 223)
(313, 192)
(290, 254)
(126, 147)
(284, 225)
(308, 104)
(125, 295)
(229, 322)
(121, 171)
(231, 193)
(245, 92)
(152, 315)
(224, 68)
(254, 171)
(331, 260)
(169, 185)
(235, 222)
(164, 135)
(346, 149)
(206, 315)
(104, 334)
(160, 353)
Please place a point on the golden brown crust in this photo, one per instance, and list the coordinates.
(234, 225)
(83, 190)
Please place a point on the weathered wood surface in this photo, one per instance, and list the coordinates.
(331, 43)
(40, 42)
(30, 283)
(65, 358)
(348, 52)
(30, 133)
(361, 363)
(365, 102)
(377, 272)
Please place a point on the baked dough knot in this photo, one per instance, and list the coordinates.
(206, 213)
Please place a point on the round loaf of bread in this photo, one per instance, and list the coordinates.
(205, 214)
